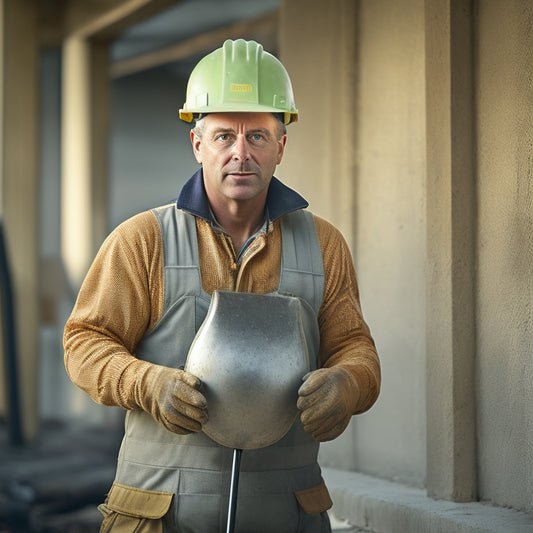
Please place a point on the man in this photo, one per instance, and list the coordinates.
(147, 294)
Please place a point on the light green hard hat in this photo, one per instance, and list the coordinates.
(239, 76)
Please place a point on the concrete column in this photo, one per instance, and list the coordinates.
(18, 187)
(83, 149)
(318, 48)
(100, 88)
(451, 459)
(76, 198)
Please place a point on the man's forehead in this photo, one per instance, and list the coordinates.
(240, 120)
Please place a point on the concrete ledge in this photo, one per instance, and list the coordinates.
(387, 507)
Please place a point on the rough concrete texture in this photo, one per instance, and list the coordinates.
(504, 137)
(390, 251)
(387, 507)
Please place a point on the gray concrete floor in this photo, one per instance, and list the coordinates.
(338, 526)
(54, 484)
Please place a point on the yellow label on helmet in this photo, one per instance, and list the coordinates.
(241, 88)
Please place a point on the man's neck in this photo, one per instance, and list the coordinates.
(240, 222)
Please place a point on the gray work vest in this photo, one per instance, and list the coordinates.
(194, 467)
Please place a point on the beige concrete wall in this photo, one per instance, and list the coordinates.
(387, 228)
(318, 48)
(390, 250)
(364, 171)
(450, 265)
(504, 129)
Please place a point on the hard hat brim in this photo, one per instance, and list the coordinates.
(289, 117)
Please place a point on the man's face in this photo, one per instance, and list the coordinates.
(239, 153)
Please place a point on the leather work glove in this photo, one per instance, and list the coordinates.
(172, 397)
(327, 400)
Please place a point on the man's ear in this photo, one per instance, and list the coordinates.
(196, 142)
(281, 148)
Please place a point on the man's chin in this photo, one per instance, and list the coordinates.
(245, 187)
(244, 193)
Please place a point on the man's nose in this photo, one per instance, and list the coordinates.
(241, 149)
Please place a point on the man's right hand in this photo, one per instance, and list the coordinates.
(173, 398)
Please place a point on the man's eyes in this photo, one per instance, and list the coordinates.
(252, 137)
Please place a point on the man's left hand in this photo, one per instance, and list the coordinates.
(327, 400)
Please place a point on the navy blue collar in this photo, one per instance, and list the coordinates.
(280, 198)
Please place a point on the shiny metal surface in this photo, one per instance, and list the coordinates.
(250, 354)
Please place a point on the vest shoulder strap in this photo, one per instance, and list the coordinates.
(302, 267)
(180, 250)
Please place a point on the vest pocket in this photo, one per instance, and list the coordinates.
(129, 509)
(314, 500)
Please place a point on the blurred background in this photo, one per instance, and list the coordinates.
(415, 139)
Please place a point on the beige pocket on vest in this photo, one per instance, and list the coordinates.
(314, 500)
(129, 509)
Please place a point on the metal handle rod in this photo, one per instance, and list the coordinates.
(232, 508)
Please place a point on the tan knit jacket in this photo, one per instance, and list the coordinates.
(121, 300)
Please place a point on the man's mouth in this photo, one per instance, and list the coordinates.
(240, 173)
